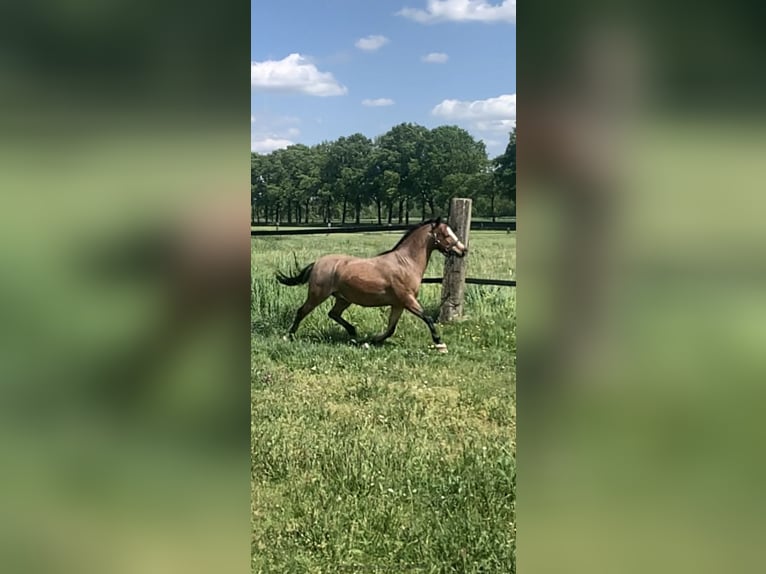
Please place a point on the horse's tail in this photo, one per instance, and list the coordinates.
(299, 278)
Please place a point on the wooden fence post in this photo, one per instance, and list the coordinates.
(453, 284)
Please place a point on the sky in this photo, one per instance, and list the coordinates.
(324, 69)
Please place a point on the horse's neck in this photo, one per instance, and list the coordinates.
(418, 250)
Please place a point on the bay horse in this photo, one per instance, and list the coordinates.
(391, 278)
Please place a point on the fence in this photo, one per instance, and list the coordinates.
(286, 229)
(454, 280)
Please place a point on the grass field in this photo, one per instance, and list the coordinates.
(387, 459)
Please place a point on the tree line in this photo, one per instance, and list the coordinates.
(408, 171)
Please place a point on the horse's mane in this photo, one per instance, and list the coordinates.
(407, 234)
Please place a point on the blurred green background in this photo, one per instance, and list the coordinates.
(641, 321)
(124, 331)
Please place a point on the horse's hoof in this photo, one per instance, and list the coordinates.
(441, 347)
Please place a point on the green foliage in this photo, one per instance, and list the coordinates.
(505, 171)
(389, 459)
(408, 169)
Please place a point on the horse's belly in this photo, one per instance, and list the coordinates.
(366, 297)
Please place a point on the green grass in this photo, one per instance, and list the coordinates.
(388, 459)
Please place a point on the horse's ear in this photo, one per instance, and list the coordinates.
(437, 221)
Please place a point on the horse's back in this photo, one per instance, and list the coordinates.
(328, 268)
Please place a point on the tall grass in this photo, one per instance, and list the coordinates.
(388, 459)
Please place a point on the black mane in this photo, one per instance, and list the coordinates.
(408, 233)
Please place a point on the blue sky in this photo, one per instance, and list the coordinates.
(330, 68)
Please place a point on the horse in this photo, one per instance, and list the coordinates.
(391, 279)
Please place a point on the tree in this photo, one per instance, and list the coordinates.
(257, 187)
(301, 178)
(449, 151)
(505, 171)
(344, 169)
(359, 149)
(408, 167)
(329, 175)
(405, 143)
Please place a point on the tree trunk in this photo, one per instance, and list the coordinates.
(345, 207)
(407, 211)
(431, 206)
(390, 206)
(357, 209)
(377, 201)
(289, 210)
(492, 206)
(422, 208)
(297, 212)
(401, 210)
(306, 213)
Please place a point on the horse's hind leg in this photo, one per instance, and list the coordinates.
(336, 312)
(393, 319)
(304, 310)
(300, 314)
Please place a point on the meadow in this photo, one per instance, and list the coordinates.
(384, 459)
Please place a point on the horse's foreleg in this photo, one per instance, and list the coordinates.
(336, 312)
(393, 319)
(414, 307)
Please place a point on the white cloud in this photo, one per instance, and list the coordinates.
(371, 43)
(462, 11)
(496, 125)
(435, 58)
(266, 145)
(486, 119)
(293, 74)
(269, 132)
(501, 108)
(378, 102)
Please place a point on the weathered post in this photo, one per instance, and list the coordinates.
(453, 282)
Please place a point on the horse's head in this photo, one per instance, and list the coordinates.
(445, 239)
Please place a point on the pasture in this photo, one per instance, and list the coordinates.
(388, 459)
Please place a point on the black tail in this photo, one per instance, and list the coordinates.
(299, 279)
